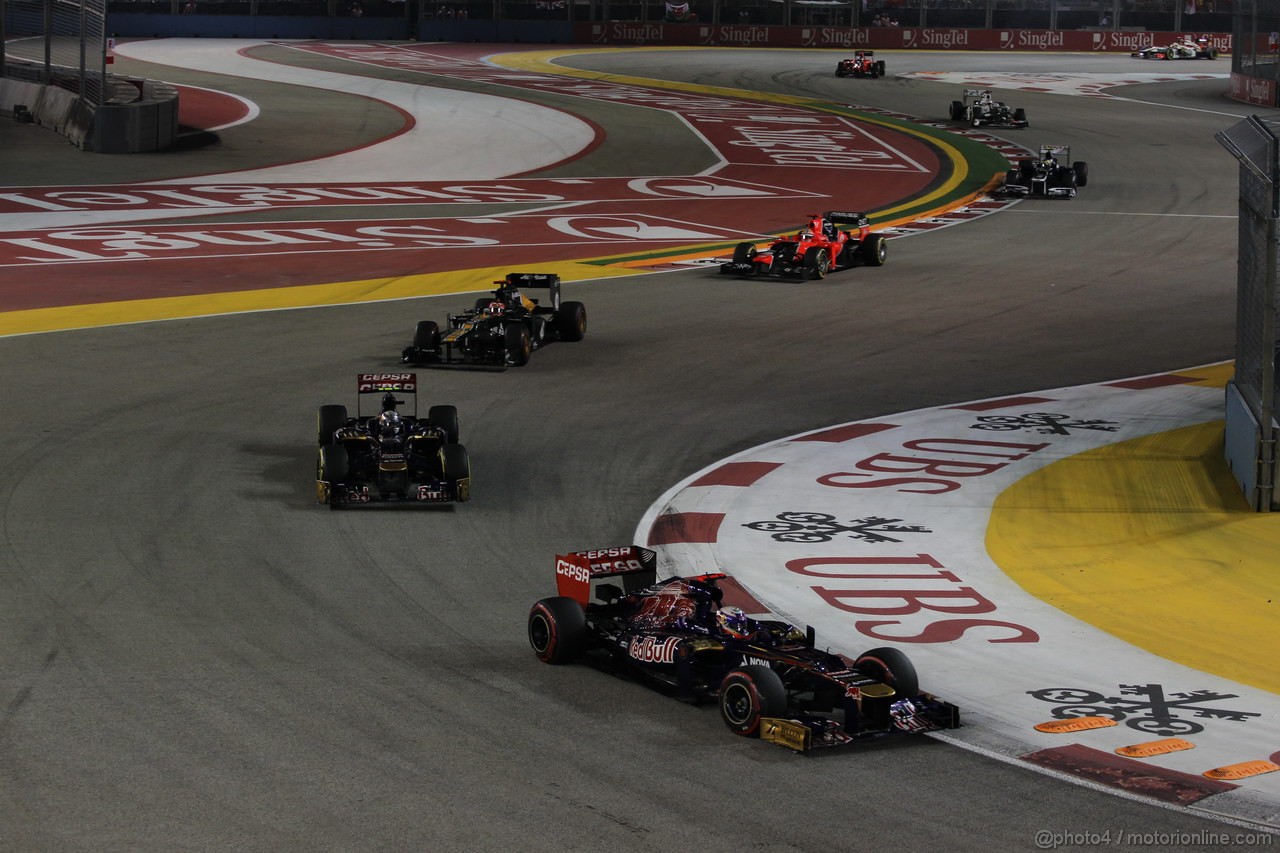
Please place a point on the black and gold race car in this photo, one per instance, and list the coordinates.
(769, 678)
(503, 329)
(388, 455)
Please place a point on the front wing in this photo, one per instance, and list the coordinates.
(343, 494)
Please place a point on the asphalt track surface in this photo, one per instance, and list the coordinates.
(197, 657)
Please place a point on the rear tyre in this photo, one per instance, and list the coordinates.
(880, 68)
(874, 250)
(1020, 115)
(1211, 53)
(816, 262)
(840, 72)
(571, 321)
(891, 667)
(748, 694)
(1082, 172)
(445, 417)
(329, 419)
(558, 630)
(518, 345)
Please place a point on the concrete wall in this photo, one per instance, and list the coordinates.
(147, 122)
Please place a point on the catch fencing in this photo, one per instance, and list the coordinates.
(1251, 395)
(56, 42)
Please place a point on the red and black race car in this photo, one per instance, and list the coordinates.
(769, 678)
(388, 455)
(815, 250)
(863, 64)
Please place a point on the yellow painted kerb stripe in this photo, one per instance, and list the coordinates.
(1152, 541)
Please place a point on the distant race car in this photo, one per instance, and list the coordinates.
(389, 456)
(980, 109)
(769, 678)
(863, 64)
(817, 249)
(503, 329)
(1048, 176)
(1185, 49)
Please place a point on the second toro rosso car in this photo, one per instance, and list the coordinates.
(769, 678)
(503, 329)
(385, 455)
(815, 250)
(1049, 176)
(863, 64)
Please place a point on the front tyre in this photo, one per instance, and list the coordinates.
(518, 345)
(748, 694)
(744, 253)
(331, 468)
(816, 262)
(893, 668)
(457, 470)
(426, 336)
(558, 630)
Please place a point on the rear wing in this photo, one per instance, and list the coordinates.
(551, 281)
(1046, 150)
(599, 576)
(386, 383)
(844, 217)
(976, 93)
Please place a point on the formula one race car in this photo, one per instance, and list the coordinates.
(980, 109)
(502, 329)
(1047, 176)
(769, 678)
(1185, 49)
(390, 456)
(814, 251)
(863, 64)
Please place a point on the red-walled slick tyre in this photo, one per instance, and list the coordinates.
(557, 630)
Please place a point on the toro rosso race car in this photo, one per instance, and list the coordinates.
(1047, 176)
(503, 329)
(814, 251)
(1185, 49)
(980, 109)
(389, 456)
(863, 64)
(769, 678)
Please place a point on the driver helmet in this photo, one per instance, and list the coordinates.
(986, 98)
(495, 308)
(733, 623)
(390, 424)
